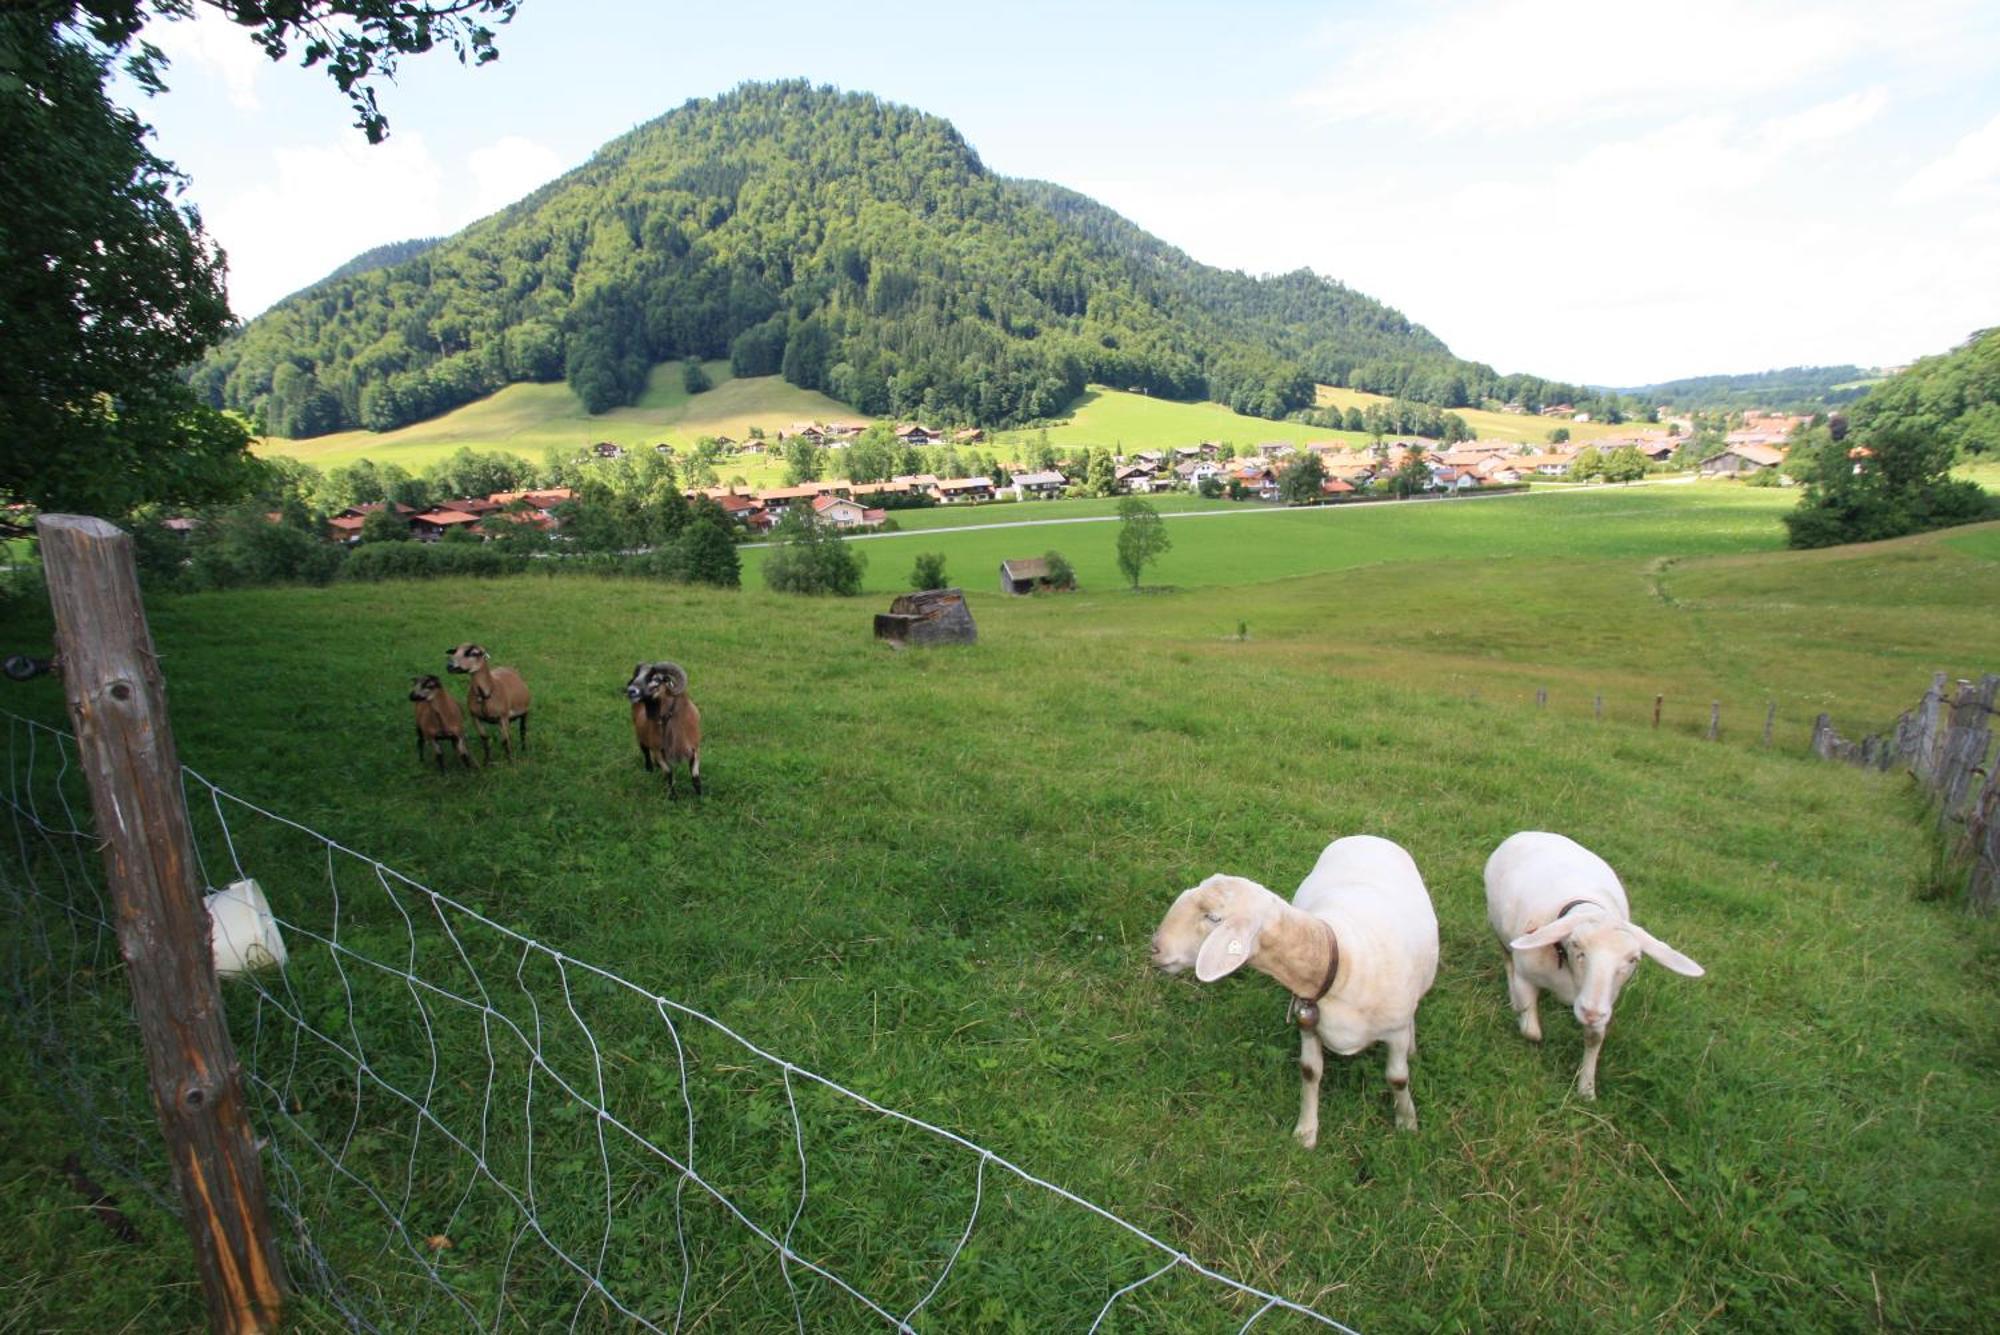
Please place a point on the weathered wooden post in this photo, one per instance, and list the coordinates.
(1599, 706)
(1770, 720)
(1930, 726)
(118, 706)
(1541, 697)
(1823, 737)
(1658, 700)
(1714, 719)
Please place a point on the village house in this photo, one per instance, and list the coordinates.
(777, 500)
(1739, 460)
(1041, 486)
(1275, 449)
(956, 489)
(843, 513)
(972, 435)
(343, 527)
(604, 449)
(1337, 488)
(1195, 472)
(1135, 479)
(916, 433)
(739, 508)
(434, 523)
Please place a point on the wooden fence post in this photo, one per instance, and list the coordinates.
(1541, 697)
(1714, 719)
(118, 706)
(1658, 700)
(1600, 704)
(1930, 727)
(1770, 719)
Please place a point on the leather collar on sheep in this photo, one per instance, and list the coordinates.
(1306, 1009)
(1562, 951)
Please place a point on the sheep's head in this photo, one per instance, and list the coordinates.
(464, 658)
(423, 688)
(652, 681)
(1212, 928)
(1602, 955)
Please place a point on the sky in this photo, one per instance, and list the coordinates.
(1600, 191)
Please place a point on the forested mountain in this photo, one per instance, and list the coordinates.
(853, 246)
(381, 257)
(1802, 388)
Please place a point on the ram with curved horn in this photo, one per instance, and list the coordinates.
(665, 721)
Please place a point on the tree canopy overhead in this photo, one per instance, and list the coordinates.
(109, 288)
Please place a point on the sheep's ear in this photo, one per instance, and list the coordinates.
(1666, 954)
(1546, 935)
(1227, 949)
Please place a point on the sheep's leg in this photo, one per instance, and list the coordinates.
(1312, 1062)
(694, 772)
(464, 756)
(1399, 1078)
(646, 757)
(1525, 998)
(420, 744)
(485, 742)
(437, 749)
(1586, 1075)
(524, 734)
(506, 739)
(667, 764)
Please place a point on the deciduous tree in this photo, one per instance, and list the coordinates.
(1142, 537)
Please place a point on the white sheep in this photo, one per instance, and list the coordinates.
(1564, 924)
(1357, 948)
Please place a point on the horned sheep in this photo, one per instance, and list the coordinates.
(665, 721)
(1357, 947)
(494, 695)
(1565, 925)
(438, 721)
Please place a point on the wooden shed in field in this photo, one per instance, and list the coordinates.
(1023, 574)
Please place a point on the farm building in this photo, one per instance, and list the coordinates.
(1738, 460)
(1023, 575)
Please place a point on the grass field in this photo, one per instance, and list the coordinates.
(1496, 426)
(528, 419)
(932, 875)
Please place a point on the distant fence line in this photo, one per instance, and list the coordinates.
(1946, 745)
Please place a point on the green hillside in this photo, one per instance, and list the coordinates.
(931, 876)
(856, 248)
(528, 419)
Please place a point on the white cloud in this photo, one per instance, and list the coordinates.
(1510, 65)
(1973, 161)
(507, 169)
(1826, 122)
(301, 222)
(211, 46)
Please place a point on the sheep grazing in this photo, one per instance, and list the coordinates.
(495, 695)
(438, 721)
(665, 721)
(1357, 948)
(1564, 924)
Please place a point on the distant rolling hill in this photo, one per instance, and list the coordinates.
(853, 248)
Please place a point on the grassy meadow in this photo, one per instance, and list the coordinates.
(528, 419)
(931, 876)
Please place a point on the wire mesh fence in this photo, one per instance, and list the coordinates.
(463, 1126)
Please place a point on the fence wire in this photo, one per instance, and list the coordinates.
(464, 1126)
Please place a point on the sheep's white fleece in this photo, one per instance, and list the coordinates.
(1370, 892)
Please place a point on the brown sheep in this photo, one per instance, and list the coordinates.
(665, 721)
(438, 721)
(495, 695)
